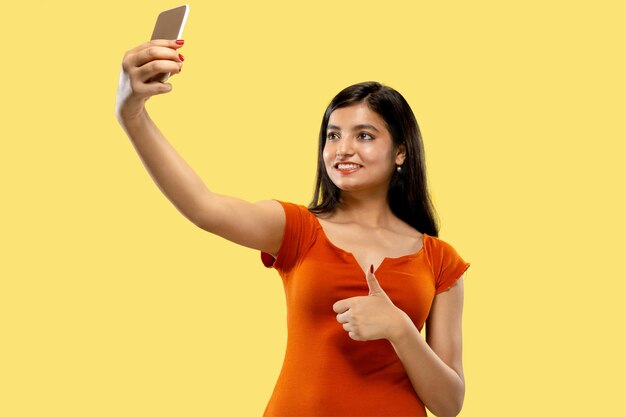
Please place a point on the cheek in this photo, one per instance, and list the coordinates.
(328, 156)
(374, 155)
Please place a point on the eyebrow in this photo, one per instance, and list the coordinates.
(357, 127)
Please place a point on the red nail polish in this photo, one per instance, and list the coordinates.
(372, 268)
(182, 58)
(180, 41)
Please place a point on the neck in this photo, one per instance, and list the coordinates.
(366, 208)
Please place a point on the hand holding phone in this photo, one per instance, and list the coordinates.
(170, 25)
(133, 90)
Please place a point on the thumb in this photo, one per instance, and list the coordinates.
(372, 282)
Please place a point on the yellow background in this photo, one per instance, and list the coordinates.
(113, 304)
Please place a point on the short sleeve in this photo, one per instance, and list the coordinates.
(297, 237)
(448, 266)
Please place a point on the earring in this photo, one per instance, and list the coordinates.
(398, 168)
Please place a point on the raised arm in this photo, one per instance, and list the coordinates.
(255, 225)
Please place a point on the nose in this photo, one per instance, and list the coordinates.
(344, 147)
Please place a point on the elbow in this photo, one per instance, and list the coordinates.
(452, 406)
(450, 410)
(202, 215)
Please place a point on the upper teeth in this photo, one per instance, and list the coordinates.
(347, 166)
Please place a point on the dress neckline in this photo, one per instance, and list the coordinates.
(351, 255)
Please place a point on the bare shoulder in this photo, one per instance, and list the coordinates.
(407, 230)
(408, 234)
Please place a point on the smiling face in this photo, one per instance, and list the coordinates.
(359, 152)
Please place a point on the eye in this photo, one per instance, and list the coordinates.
(332, 135)
(365, 135)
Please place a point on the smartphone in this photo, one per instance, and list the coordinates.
(170, 25)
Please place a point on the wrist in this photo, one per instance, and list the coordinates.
(400, 327)
(128, 119)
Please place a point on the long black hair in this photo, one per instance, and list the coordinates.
(408, 195)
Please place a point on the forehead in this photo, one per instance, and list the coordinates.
(356, 114)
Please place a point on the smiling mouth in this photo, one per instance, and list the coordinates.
(347, 167)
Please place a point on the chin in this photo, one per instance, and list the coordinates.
(350, 187)
(360, 186)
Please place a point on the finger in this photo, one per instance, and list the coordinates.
(157, 87)
(372, 283)
(169, 43)
(150, 51)
(341, 305)
(150, 86)
(354, 336)
(147, 57)
(347, 327)
(147, 72)
(344, 317)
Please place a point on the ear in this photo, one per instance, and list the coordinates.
(401, 154)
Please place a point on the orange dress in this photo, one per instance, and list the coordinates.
(325, 372)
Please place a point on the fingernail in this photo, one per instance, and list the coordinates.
(372, 268)
(182, 58)
(180, 41)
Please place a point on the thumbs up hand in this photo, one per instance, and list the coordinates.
(370, 317)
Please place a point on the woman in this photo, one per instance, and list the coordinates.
(362, 266)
